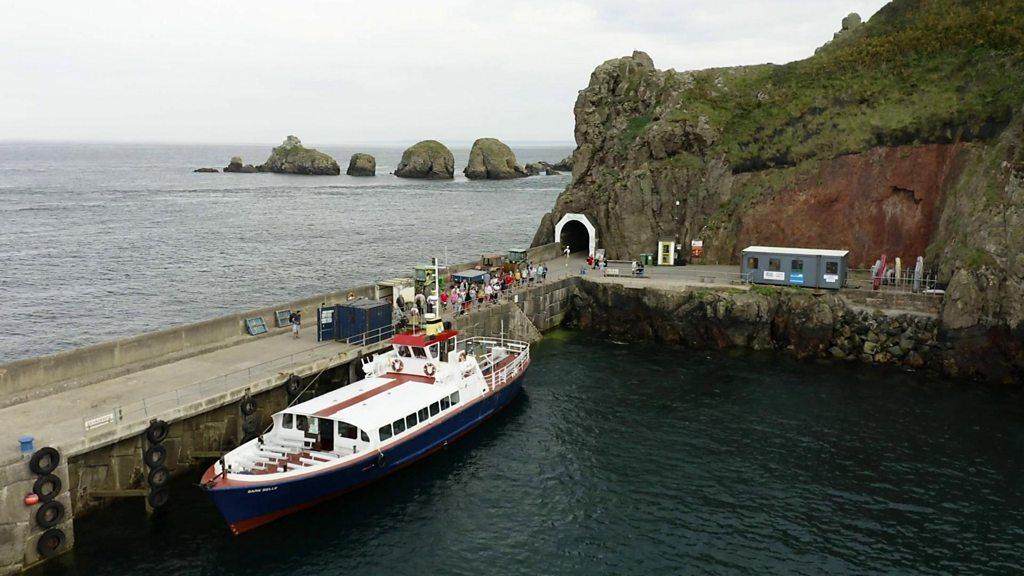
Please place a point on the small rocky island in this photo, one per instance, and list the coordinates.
(492, 159)
(428, 159)
(291, 157)
(236, 166)
(362, 165)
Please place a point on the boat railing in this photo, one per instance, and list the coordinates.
(486, 347)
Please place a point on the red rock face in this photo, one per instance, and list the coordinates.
(884, 201)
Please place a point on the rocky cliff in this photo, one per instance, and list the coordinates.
(901, 136)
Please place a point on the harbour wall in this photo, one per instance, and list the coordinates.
(797, 321)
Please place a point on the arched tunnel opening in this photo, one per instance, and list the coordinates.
(576, 236)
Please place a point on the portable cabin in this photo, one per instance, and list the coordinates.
(469, 276)
(811, 267)
(518, 255)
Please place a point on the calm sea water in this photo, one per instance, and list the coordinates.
(100, 241)
(627, 459)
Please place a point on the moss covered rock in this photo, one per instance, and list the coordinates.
(362, 165)
(236, 166)
(291, 157)
(427, 159)
(492, 159)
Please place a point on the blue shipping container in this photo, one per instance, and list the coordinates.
(364, 321)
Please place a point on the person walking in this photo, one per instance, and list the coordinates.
(566, 252)
(295, 318)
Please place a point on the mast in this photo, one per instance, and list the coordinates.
(437, 290)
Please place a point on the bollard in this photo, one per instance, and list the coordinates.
(26, 444)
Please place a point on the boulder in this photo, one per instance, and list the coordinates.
(551, 172)
(362, 165)
(427, 159)
(565, 164)
(206, 170)
(291, 157)
(535, 168)
(491, 159)
(236, 166)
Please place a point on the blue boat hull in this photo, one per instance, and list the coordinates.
(245, 507)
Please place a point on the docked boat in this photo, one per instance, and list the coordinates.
(416, 398)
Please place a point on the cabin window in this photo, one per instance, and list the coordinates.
(385, 432)
(752, 263)
(398, 426)
(434, 351)
(410, 420)
(831, 267)
(302, 423)
(797, 266)
(419, 352)
(364, 436)
(404, 352)
(286, 421)
(454, 398)
(346, 430)
(445, 403)
(434, 409)
(424, 414)
(774, 264)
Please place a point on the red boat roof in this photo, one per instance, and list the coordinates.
(421, 339)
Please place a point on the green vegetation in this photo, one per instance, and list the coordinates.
(635, 128)
(920, 71)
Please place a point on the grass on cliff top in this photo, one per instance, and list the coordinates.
(920, 71)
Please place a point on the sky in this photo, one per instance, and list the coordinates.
(339, 72)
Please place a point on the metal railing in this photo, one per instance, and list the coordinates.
(506, 373)
(236, 380)
(903, 282)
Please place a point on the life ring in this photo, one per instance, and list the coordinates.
(157, 431)
(44, 461)
(51, 542)
(462, 356)
(46, 487)
(50, 514)
(430, 369)
(396, 365)
(154, 456)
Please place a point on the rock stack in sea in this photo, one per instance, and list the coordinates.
(427, 159)
(362, 165)
(492, 159)
(237, 167)
(291, 157)
(206, 171)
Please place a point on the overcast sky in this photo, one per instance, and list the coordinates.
(336, 72)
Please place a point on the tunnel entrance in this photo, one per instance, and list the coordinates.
(576, 231)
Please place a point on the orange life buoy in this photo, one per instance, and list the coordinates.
(397, 365)
(429, 369)
(462, 356)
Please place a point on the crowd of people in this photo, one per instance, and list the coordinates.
(494, 286)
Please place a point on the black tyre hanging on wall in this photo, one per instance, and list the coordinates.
(47, 487)
(158, 477)
(158, 497)
(293, 386)
(50, 514)
(157, 431)
(44, 461)
(155, 456)
(248, 406)
(249, 424)
(51, 542)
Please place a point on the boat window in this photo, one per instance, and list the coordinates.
(302, 423)
(423, 414)
(752, 263)
(286, 421)
(445, 403)
(419, 352)
(434, 409)
(364, 436)
(404, 352)
(455, 398)
(797, 266)
(346, 430)
(385, 432)
(434, 351)
(398, 426)
(774, 264)
(410, 420)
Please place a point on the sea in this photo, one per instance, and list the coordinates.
(618, 458)
(102, 241)
(628, 459)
